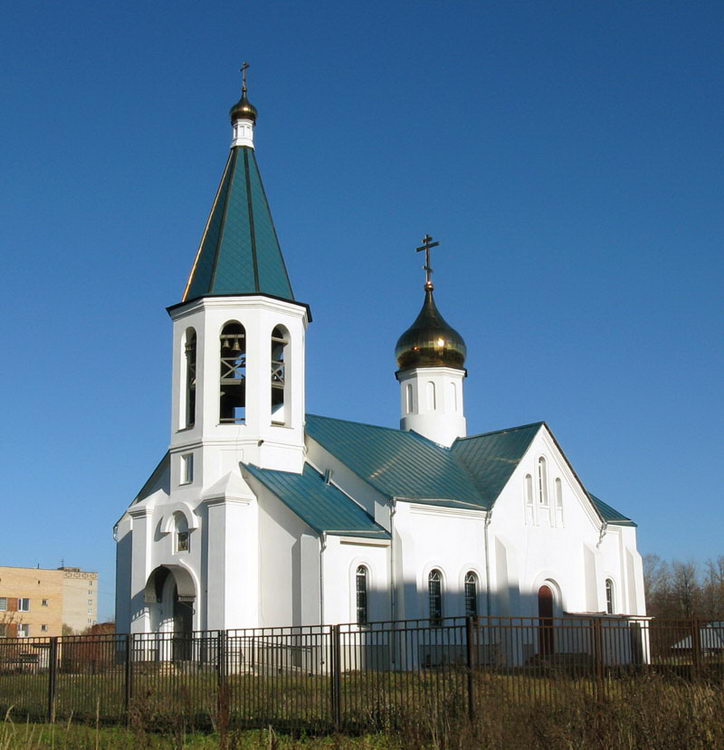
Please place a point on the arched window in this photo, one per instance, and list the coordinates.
(610, 599)
(471, 594)
(361, 595)
(182, 539)
(434, 595)
(542, 482)
(189, 417)
(279, 343)
(408, 398)
(431, 396)
(232, 383)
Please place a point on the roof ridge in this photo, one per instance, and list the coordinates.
(397, 430)
(364, 424)
(504, 429)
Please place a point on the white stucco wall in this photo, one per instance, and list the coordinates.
(341, 557)
(427, 537)
(572, 549)
(288, 565)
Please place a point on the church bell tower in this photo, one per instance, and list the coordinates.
(238, 334)
(431, 359)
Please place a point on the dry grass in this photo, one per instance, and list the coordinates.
(649, 713)
(645, 714)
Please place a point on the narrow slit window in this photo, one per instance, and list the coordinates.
(279, 394)
(187, 469)
(190, 379)
(610, 601)
(471, 594)
(434, 594)
(183, 537)
(361, 595)
(542, 482)
(232, 385)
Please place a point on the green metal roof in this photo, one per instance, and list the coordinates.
(492, 457)
(610, 514)
(320, 505)
(239, 251)
(396, 463)
(472, 472)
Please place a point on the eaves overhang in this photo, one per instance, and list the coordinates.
(172, 308)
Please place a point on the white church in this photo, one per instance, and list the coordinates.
(260, 514)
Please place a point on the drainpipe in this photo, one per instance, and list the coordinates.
(393, 594)
(488, 516)
(322, 547)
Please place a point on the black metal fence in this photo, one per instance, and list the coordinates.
(344, 676)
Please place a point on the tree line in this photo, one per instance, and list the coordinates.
(676, 590)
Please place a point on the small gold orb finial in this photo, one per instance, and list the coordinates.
(243, 109)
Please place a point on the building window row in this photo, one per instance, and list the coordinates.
(435, 595)
(537, 497)
(430, 398)
(232, 377)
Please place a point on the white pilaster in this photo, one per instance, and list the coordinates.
(140, 569)
(232, 597)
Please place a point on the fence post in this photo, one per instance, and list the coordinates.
(52, 677)
(696, 645)
(221, 656)
(598, 661)
(223, 703)
(128, 677)
(470, 632)
(336, 682)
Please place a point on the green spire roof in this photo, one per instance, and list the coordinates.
(239, 251)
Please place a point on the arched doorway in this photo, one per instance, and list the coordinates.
(170, 594)
(546, 639)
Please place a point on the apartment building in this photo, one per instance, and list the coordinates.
(37, 602)
(80, 598)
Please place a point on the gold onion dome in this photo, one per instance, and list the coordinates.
(430, 341)
(243, 109)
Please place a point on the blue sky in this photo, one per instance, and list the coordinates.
(569, 157)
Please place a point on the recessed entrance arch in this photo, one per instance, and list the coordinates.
(170, 593)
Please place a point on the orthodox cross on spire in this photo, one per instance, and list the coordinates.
(427, 245)
(243, 69)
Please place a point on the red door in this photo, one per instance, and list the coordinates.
(545, 621)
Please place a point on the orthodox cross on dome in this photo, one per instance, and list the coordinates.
(244, 67)
(427, 245)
